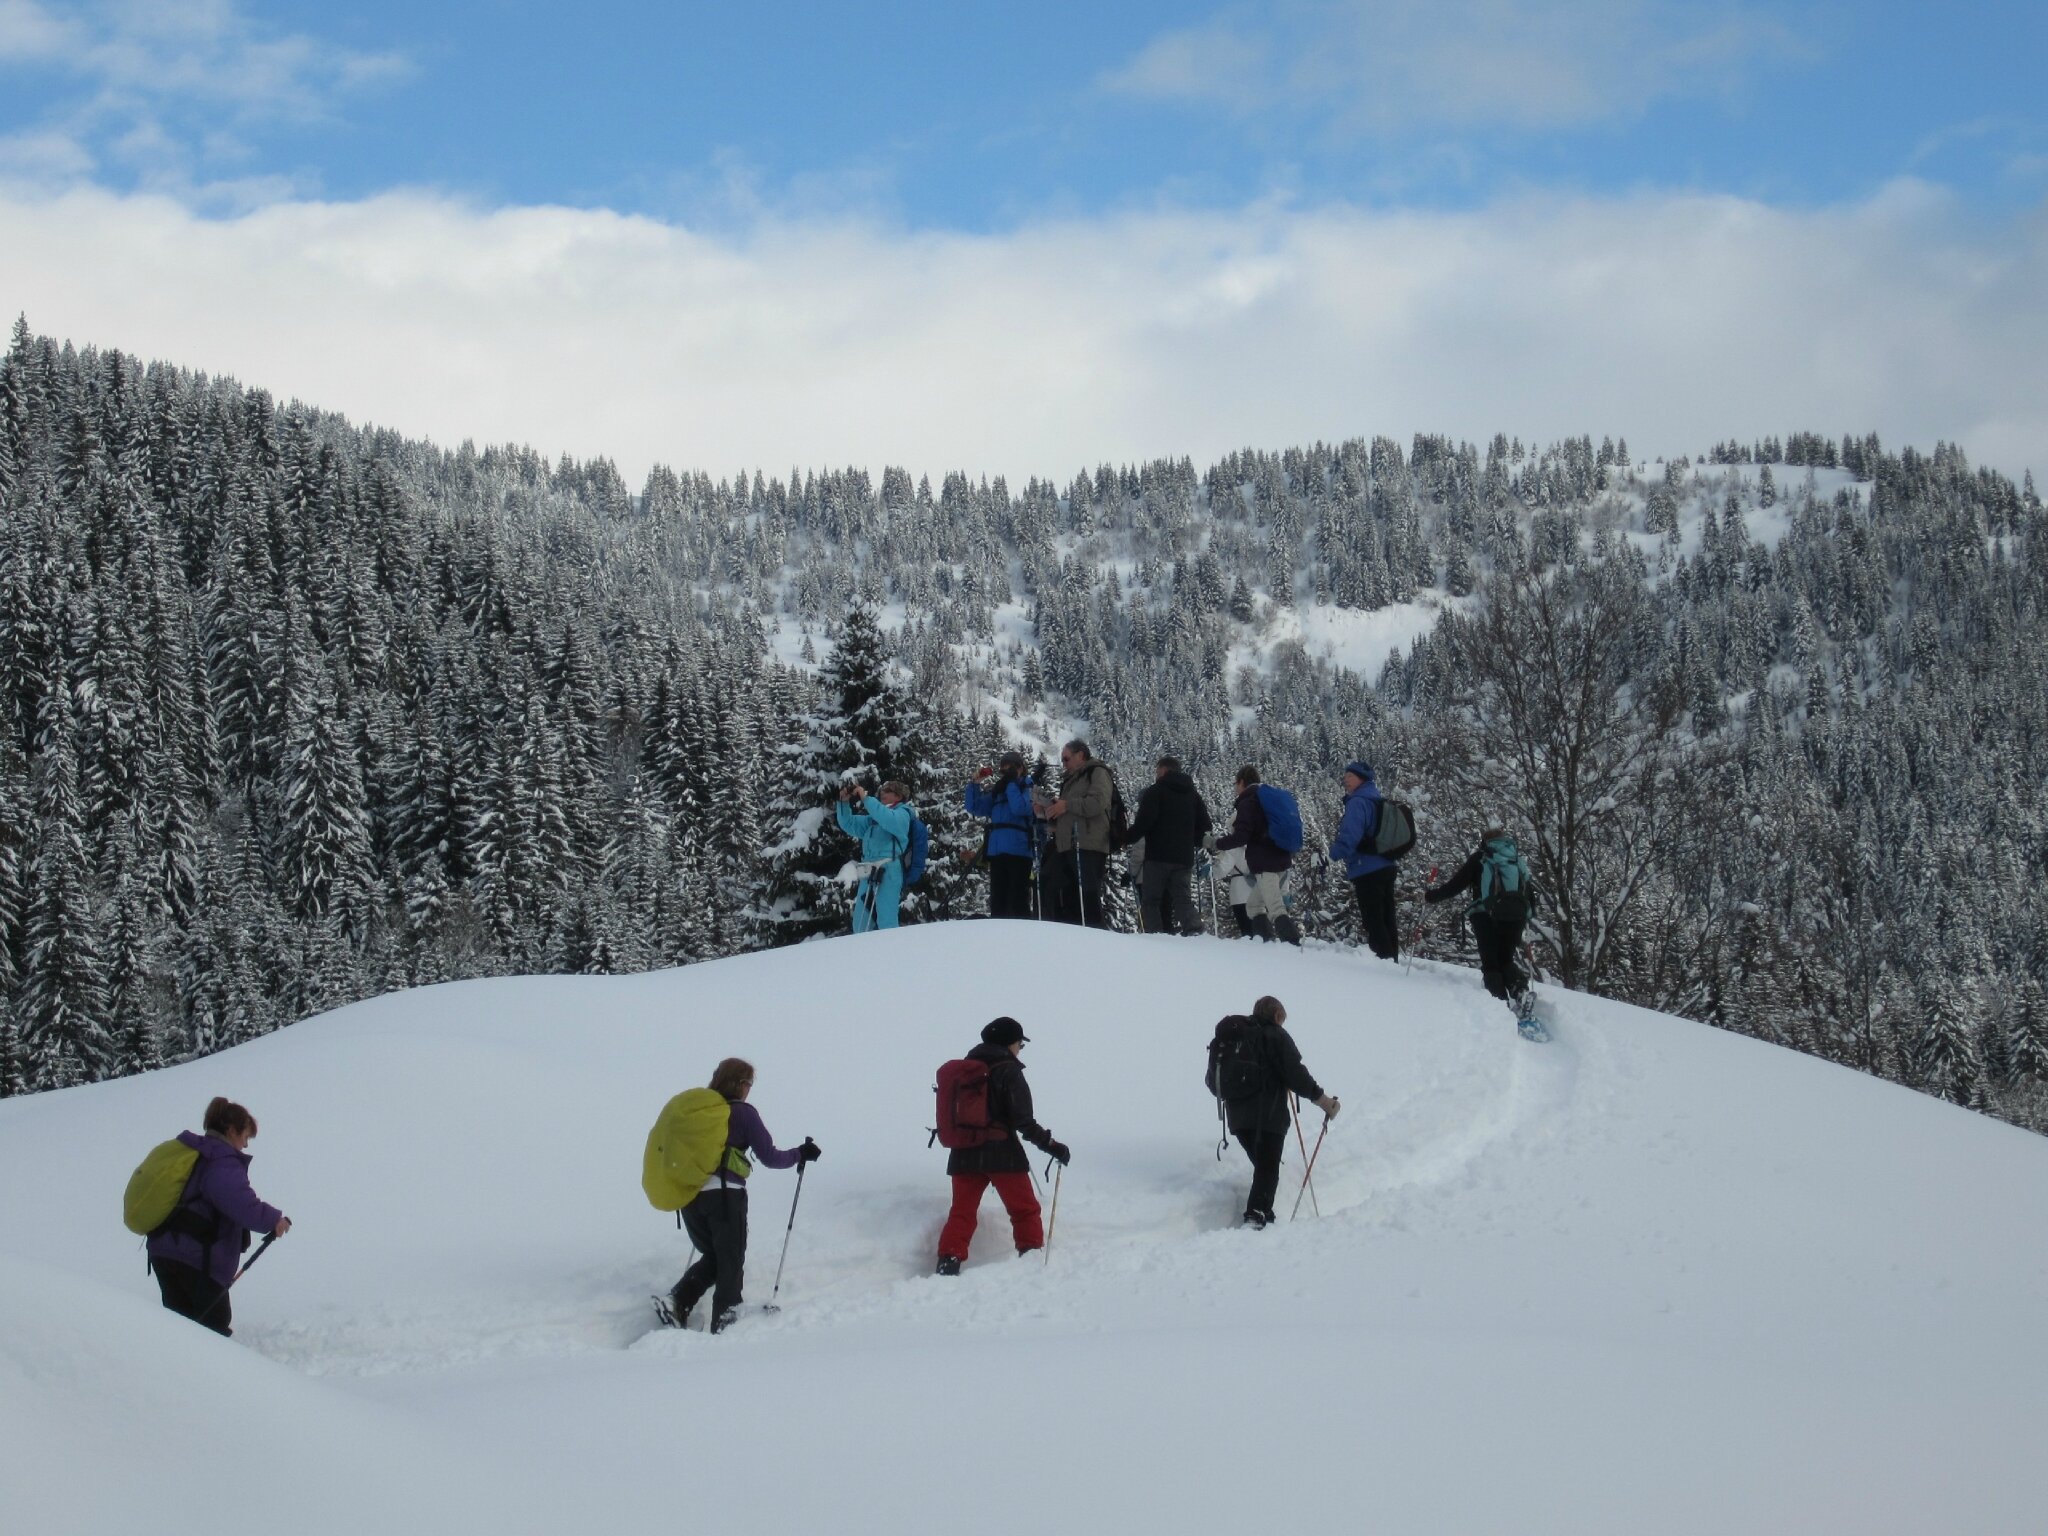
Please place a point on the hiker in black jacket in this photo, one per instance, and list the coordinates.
(1260, 1120)
(1171, 821)
(1000, 1161)
(1498, 936)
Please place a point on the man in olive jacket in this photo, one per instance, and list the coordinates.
(1074, 864)
(1260, 1120)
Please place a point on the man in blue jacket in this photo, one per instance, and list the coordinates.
(1001, 796)
(882, 828)
(1371, 876)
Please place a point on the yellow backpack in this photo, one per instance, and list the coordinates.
(157, 1185)
(686, 1147)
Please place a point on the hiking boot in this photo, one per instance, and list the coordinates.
(948, 1266)
(1256, 1220)
(725, 1319)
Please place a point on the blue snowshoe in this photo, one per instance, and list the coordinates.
(1526, 1022)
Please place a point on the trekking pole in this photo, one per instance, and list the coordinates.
(1415, 937)
(1301, 1141)
(1053, 1216)
(1080, 881)
(1310, 1172)
(251, 1264)
(786, 1231)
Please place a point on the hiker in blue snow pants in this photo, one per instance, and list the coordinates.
(882, 828)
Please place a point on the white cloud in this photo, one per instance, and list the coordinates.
(1675, 320)
(28, 31)
(1392, 65)
(157, 87)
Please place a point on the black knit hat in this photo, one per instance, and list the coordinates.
(1003, 1031)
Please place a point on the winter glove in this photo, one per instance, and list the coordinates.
(1328, 1105)
(809, 1152)
(1057, 1151)
(1208, 842)
(1432, 897)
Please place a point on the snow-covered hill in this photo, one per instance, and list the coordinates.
(1648, 1277)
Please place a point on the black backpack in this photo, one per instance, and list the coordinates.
(1119, 817)
(1237, 1060)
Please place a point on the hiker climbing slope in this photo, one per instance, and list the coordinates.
(1254, 1065)
(984, 1108)
(197, 1246)
(698, 1161)
(1498, 877)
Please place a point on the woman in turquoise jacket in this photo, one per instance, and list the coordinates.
(882, 828)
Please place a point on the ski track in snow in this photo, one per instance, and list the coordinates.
(1392, 1159)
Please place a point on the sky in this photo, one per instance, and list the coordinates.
(1022, 240)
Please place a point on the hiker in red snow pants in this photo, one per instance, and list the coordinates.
(997, 1157)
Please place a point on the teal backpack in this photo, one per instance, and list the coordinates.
(1504, 894)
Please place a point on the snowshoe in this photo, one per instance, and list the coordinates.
(949, 1266)
(1255, 1221)
(1526, 1022)
(725, 1319)
(665, 1312)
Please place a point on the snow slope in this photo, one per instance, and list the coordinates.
(1649, 1277)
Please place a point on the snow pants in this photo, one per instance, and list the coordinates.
(191, 1292)
(1009, 885)
(1376, 912)
(1265, 1149)
(1166, 898)
(1076, 893)
(1018, 1198)
(876, 898)
(717, 1223)
(1497, 945)
(1265, 908)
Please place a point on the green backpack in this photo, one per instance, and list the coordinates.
(157, 1185)
(686, 1147)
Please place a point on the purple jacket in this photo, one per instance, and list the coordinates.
(750, 1136)
(220, 1190)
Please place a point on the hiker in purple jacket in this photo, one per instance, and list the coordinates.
(195, 1253)
(717, 1219)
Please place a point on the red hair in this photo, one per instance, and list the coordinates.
(226, 1118)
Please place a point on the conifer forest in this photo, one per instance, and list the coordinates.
(293, 712)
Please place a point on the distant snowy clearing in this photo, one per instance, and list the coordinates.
(1647, 1278)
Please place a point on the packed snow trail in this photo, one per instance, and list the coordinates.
(1645, 1276)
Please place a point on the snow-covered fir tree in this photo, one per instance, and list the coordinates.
(343, 711)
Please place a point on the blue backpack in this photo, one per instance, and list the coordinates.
(912, 857)
(1283, 817)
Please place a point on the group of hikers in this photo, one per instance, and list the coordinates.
(1047, 853)
(193, 1199)
(1057, 843)
(1045, 848)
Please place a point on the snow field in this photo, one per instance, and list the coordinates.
(1647, 1277)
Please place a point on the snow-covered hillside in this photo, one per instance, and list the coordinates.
(1648, 1277)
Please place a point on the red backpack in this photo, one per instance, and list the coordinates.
(964, 1118)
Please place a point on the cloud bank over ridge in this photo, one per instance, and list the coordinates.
(1674, 319)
